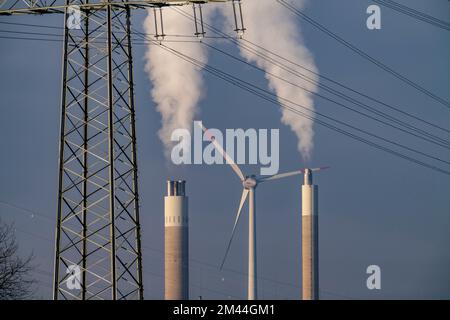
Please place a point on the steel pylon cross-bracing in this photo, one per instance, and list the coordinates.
(98, 238)
(98, 227)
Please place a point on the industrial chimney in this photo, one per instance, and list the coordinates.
(310, 239)
(176, 236)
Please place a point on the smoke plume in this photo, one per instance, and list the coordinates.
(177, 84)
(270, 26)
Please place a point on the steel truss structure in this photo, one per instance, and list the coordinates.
(98, 236)
(98, 204)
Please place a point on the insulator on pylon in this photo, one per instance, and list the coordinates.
(238, 18)
(159, 24)
(198, 21)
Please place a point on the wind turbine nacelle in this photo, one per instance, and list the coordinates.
(250, 183)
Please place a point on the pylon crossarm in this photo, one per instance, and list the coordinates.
(10, 7)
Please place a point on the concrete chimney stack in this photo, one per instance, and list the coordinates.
(310, 239)
(176, 237)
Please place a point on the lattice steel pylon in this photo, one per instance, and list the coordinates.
(98, 247)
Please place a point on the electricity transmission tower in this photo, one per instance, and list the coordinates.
(98, 249)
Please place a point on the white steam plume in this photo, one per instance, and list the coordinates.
(270, 26)
(177, 84)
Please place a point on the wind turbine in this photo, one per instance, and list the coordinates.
(249, 184)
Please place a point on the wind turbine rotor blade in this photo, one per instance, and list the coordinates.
(238, 215)
(319, 169)
(289, 174)
(225, 155)
(282, 175)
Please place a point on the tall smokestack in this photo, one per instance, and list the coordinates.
(310, 239)
(176, 236)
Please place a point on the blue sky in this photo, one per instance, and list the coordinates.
(374, 208)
